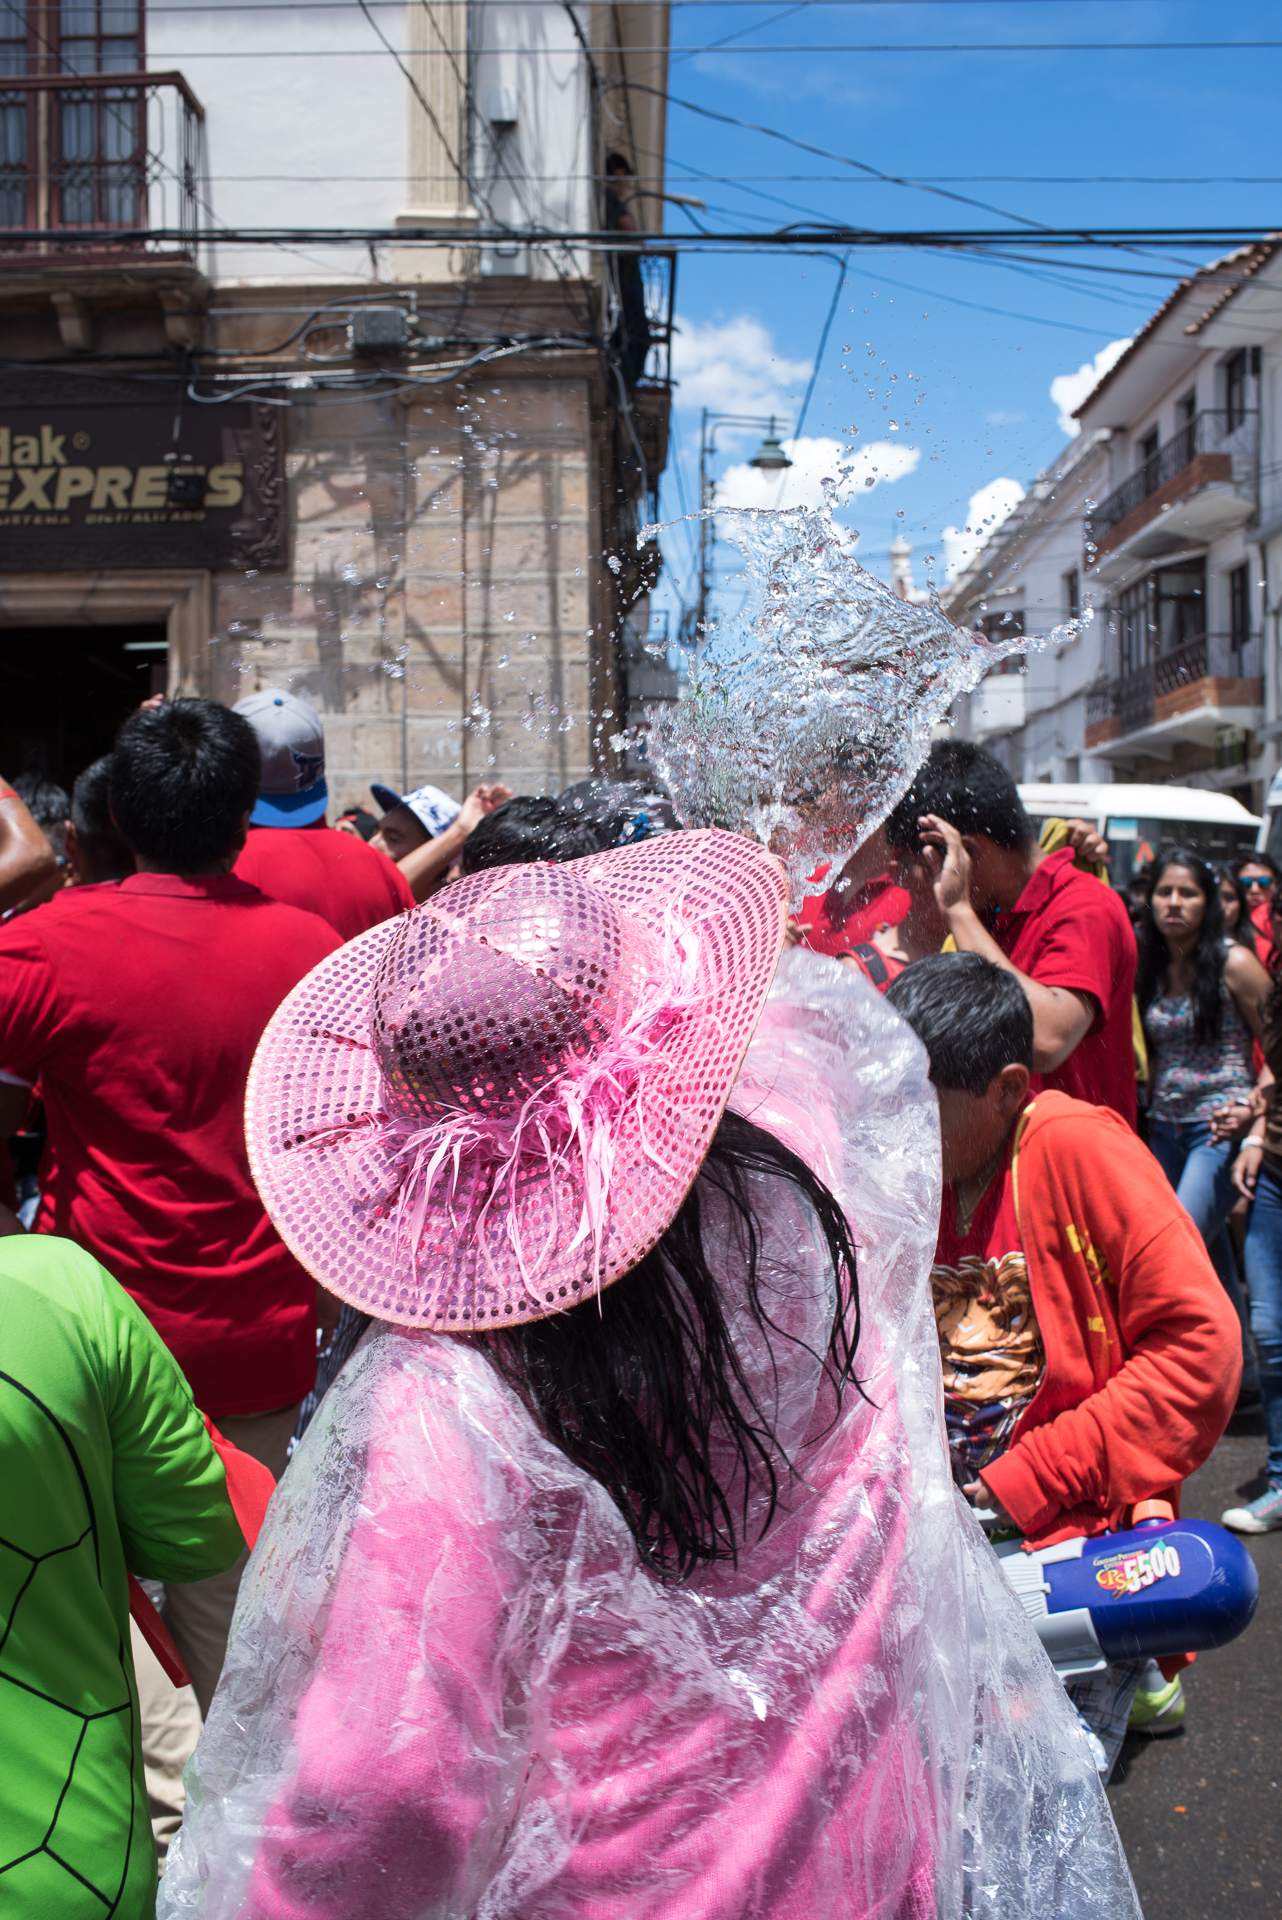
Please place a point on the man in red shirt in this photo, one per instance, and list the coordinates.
(137, 1005)
(1090, 1359)
(861, 900)
(291, 854)
(961, 831)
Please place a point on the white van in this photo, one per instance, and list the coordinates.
(1135, 820)
(1270, 840)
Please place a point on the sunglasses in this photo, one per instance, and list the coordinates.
(1257, 883)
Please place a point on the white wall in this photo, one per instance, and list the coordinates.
(306, 124)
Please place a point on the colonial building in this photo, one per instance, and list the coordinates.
(302, 387)
(1164, 516)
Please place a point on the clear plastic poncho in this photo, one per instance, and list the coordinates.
(453, 1691)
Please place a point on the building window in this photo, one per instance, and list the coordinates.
(1072, 594)
(1159, 615)
(99, 36)
(1005, 626)
(82, 163)
(1072, 769)
(1180, 605)
(1239, 607)
(13, 124)
(1235, 372)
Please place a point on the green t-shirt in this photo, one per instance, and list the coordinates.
(105, 1466)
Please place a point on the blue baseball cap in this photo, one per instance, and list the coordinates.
(292, 791)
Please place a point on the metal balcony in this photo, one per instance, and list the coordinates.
(1207, 683)
(93, 158)
(1227, 438)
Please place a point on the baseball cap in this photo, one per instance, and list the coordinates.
(292, 790)
(433, 809)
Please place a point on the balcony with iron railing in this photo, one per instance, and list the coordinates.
(1190, 692)
(1201, 483)
(92, 159)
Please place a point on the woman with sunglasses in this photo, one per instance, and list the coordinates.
(1201, 1000)
(1258, 876)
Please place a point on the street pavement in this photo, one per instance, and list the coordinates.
(1200, 1813)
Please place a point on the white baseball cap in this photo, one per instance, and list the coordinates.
(433, 809)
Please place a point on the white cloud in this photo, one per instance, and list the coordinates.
(813, 461)
(987, 509)
(731, 366)
(1068, 390)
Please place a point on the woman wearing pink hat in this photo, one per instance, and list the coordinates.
(620, 1573)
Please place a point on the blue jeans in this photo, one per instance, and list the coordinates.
(1264, 1278)
(1201, 1171)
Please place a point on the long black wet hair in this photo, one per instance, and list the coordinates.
(642, 1386)
(1207, 955)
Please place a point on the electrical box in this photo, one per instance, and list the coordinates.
(500, 108)
(379, 330)
(505, 258)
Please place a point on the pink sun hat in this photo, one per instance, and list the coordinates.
(487, 1109)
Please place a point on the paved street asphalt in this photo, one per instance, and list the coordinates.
(1200, 1813)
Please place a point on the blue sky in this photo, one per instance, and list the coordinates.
(1107, 138)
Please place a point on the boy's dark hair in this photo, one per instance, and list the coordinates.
(100, 838)
(972, 1018)
(620, 811)
(527, 828)
(44, 799)
(617, 163)
(968, 788)
(183, 777)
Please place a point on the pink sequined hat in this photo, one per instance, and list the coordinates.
(489, 1108)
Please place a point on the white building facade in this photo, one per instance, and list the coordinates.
(1162, 524)
(315, 313)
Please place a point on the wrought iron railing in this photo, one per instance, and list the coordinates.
(1212, 432)
(98, 154)
(1132, 698)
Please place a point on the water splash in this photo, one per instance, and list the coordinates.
(809, 713)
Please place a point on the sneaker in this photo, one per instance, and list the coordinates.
(1261, 1516)
(1159, 1710)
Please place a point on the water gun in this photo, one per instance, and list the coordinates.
(1165, 1586)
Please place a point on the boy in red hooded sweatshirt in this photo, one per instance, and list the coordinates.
(1091, 1359)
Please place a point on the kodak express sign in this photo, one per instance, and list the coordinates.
(95, 477)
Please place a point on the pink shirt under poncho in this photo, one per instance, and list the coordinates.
(452, 1690)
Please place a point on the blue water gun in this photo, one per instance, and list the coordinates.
(1165, 1586)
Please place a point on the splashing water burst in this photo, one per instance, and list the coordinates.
(809, 713)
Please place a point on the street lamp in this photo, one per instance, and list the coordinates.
(769, 458)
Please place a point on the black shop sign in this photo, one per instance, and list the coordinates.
(92, 476)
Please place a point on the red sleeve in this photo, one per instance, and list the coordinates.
(1083, 942)
(1156, 1420)
(28, 1000)
(401, 889)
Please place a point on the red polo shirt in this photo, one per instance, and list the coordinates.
(835, 923)
(138, 1005)
(353, 886)
(1068, 929)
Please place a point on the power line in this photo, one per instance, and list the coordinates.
(805, 46)
(814, 239)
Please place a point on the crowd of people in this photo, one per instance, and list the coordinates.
(482, 1172)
